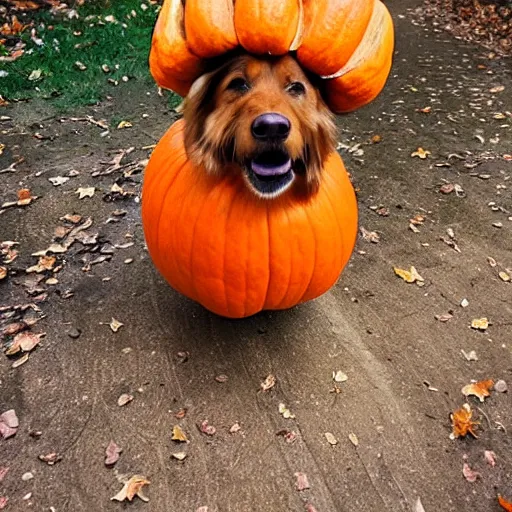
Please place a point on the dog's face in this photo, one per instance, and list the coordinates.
(261, 117)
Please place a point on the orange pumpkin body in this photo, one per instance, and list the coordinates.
(349, 43)
(214, 241)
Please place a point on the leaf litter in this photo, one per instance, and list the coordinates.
(131, 488)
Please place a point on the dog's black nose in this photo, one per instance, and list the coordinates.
(271, 127)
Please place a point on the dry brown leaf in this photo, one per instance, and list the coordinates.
(369, 236)
(133, 487)
(462, 422)
(268, 383)
(115, 325)
(490, 457)
(124, 399)
(506, 505)
(24, 342)
(51, 458)
(469, 474)
(302, 481)
(112, 453)
(479, 389)
(178, 435)
(207, 429)
(3, 272)
(24, 194)
(409, 276)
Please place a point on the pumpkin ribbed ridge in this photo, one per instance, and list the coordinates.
(332, 38)
(236, 254)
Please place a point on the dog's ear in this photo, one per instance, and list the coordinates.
(319, 142)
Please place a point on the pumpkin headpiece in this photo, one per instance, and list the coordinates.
(348, 43)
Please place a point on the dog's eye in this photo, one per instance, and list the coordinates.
(296, 89)
(238, 85)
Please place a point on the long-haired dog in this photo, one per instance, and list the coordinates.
(264, 118)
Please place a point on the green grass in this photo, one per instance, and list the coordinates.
(90, 40)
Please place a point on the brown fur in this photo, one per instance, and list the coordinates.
(218, 119)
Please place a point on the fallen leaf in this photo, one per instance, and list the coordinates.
(418, 506)
(353, 439)
(22, 360)
(339, 376)
(506, 505)
(35, 75)
(504, 276)
(469, 474)
(3, 472)
(112, 453)
(124, 124)
(285, 412)
(58, 180)
(462, 423)
(85, 192)
(9, 424)
(207, 429)
(425, 110)
(421, 153)
(479, 389)
(24, 342)
(268, 383)
(376, 139)
(178, 435)
(447, 188)
(480, 324)
(331, 439)
(369, 236)
(409, 276)
(133, 487)
(44, 263)
(24, 194)
(490, 457)
(50, 458)
(444, 317)
(302, 481)
(235, 428)
(470, 356)
(115, 325)
(3, 272)
(124, 399)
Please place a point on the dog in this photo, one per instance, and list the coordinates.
(263, 117)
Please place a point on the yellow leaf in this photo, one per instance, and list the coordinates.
(480, 323)
(409, 276)
(421, 153)
(124, 124)
(178, 435)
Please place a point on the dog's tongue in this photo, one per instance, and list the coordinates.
(271, 170)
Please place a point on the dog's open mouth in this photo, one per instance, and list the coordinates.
(270, 172)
